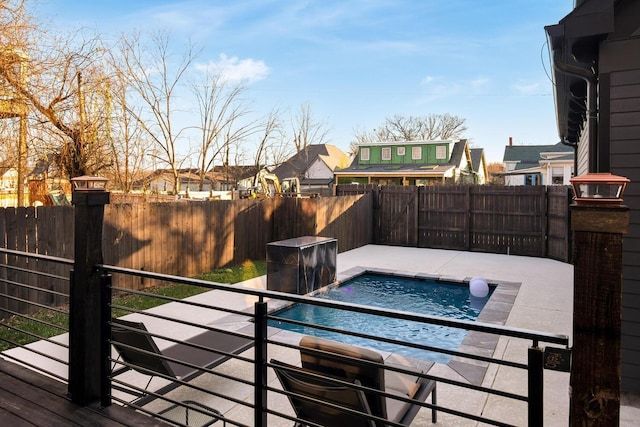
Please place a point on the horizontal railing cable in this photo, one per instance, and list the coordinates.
(191, 345)
(35, 320)
(441, 321)
(402, 343)
(33, 304)
(177, 381)
(181, 301)
(35, 272)
(59, 260)
(164, 398)
(21, 361)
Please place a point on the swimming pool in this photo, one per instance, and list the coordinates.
(451, 300)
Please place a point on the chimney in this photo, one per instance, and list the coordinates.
(510, 141)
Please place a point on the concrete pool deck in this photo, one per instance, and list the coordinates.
(544, 303)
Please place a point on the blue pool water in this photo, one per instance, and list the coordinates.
(393, 292)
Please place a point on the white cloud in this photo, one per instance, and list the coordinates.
(437, 87)
(427, 80)
(479, 82)
(236, 70)
(524, 88)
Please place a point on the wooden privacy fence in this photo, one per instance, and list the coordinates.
(189, 238)
(522, 220)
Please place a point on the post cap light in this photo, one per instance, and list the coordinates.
(89, 183)
(599, 189)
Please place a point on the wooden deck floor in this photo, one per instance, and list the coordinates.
(30, 399)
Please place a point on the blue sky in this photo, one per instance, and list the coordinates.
(357, 62)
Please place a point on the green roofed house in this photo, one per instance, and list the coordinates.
(538, 164)
(411, 163)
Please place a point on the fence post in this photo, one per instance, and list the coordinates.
(595, 370)
(260, 364)
(105, 335)
(85, 318)
(536, 385)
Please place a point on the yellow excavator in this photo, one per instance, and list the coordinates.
(268, 186)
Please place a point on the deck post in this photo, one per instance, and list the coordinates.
(85, 308)
(595, 370)
(260, 396)
(535, 407)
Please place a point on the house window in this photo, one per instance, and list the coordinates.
(386, 153)
(557, 176)
(416, 153)
(441, 152)
(400, 151)
(364, 153)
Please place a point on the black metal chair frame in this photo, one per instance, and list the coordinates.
(181, 361)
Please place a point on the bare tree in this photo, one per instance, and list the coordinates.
(451, 126)
(307, 130)
(412, 128)
(221, 108)
(129, 144)
(157, 80)
(61, 70)
(272, 148)
(9, 139)
(496, 173)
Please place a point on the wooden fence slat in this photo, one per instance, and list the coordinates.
(514, 220)
(558, 224)
(12, 243)
(4, 259)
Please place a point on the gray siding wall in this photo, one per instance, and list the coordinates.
(625, 161)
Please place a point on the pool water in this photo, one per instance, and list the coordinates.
(393, 292)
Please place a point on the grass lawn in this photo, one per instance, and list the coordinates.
(48, 323)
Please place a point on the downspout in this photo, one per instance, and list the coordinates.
(586, 74)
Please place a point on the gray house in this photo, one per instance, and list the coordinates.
(596, 62)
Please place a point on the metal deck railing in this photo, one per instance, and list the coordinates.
(240, 389)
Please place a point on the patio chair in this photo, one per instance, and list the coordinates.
(179, 361)
(350, 363)
(326, 401)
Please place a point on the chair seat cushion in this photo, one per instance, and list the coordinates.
(403, 384)
(396, 409)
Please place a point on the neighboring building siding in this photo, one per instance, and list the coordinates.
(430, 152)
(514, 180)
(625, 161)
(608, 33)
(583, 153)
(319, 170)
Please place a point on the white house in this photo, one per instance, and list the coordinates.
(538, 164)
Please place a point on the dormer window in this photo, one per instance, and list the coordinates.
(416, 153)
(386, 153)
(400, 151)
(364, 154)
(441, 152)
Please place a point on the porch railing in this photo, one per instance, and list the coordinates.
(242, 390)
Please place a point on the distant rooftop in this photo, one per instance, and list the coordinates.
(529, 156)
